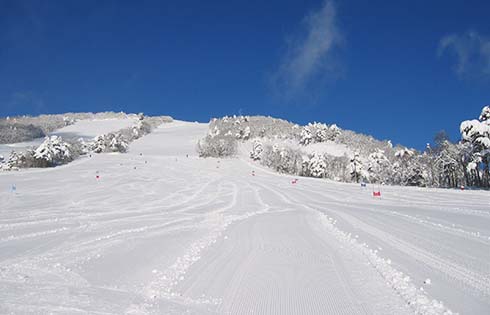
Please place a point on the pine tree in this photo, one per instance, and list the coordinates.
(356, 169)
(477, 134)
(257, 150)
(306, 136)
(53, 151)
(317, 167)
(378, 167)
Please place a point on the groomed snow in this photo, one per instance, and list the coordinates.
(162, 233)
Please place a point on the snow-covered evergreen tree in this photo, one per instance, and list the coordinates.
(477, 134)
(99, 144)
(282, 159)
(217, 146)
(316, 166)
(53, 151)
(449, 165)
(379, 167)
(335, 131)
(243, 134)
(257, 150)
(14, 162)
(246, 133)
(356, 169)
(318, 132)
(117, 143)
(409, 169)
(305, 136)
(485, 114)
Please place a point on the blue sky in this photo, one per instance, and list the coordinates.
(399, 70)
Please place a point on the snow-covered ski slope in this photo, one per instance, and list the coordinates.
(162, 233)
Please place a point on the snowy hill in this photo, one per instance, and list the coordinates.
(83, 128)
(159, 230)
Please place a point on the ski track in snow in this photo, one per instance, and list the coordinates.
(162, 233)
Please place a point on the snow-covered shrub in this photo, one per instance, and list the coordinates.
(217, 146)
(257, 149)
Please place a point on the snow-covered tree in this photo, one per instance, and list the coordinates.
(217, 146)
(305, 136)
(485, 115)
(15, 161)
(53, 151)
(477, 134)
(316, 166)
(321, 132)
(379, 167)
(409, 169)
(448, 162)
(257, 150)
(243, 134)
(318, 132)
(335, 131)
(118, 143)
(356, 169)
(282, 159)
(246, 133)
(99, 144)
(110, 142)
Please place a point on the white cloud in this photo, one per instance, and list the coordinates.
(472, 51)
(309, 56)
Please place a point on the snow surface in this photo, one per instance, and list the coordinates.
(86, 129)
(162, 233)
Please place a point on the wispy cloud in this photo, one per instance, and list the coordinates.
(472, 51)
(310, 55)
